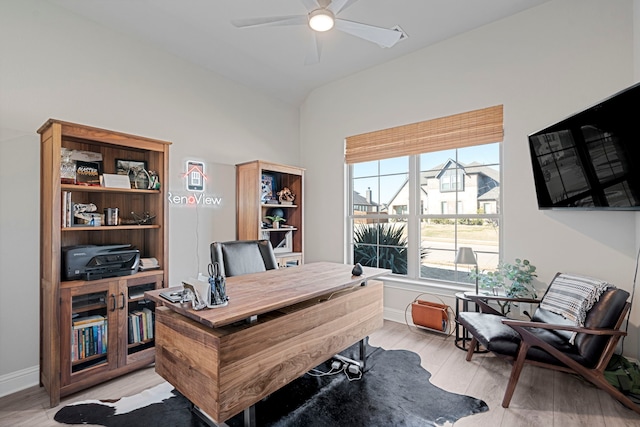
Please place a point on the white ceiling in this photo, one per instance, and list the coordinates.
(271, 59)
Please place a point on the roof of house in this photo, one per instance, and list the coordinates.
(493, 194)
(470, 168)
(358, 199)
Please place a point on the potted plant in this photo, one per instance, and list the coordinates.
(275, 220)
(511, 280)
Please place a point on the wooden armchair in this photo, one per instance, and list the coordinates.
(552, 341)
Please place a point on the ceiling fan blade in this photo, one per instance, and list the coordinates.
(338, 5)
(315, 48)
(383, 37)
(311, 4)
(271, 21)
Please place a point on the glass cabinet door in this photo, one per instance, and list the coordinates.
(89, 330)
(85, 341)
(140, 318)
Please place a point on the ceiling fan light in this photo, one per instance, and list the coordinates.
(321, 20)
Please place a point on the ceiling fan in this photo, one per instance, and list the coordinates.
(322, 17)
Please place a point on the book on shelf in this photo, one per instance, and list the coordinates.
(138, 325)
(74, 345)
(150, 321)
(130, 330)
(66, 209)
(63, 206)
(82, 322)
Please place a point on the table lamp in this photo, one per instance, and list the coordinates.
(466, 255)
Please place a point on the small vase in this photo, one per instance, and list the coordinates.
(276, 224)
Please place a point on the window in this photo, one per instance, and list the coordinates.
(380, 234)
(445, 220)
(461, 217)
(429, 202)
(452, 180)
(401, 209)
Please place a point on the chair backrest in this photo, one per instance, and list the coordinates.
(605, 313)
(240, 257)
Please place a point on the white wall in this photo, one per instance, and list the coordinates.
(542, 65)
(55, 64)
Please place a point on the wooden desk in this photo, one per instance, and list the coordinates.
(305, 315)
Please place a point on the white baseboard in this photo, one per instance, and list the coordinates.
(19, 380)
(394, 315)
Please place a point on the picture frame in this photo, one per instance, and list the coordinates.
(137, 172)
(268, 188)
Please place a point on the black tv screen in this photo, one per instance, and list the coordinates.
(591, 160)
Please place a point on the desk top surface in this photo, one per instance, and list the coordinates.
(259, 293)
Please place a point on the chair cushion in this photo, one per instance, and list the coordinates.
(501, 339)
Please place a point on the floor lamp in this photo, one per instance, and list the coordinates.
(466, 256)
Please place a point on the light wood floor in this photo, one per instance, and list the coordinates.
(542, 397)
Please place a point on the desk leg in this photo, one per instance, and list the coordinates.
(250, 416)
(363, 354)
(203, 416)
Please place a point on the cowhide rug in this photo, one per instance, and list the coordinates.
(394, 391)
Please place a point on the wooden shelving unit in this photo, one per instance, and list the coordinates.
(288, 241)
(72, 356)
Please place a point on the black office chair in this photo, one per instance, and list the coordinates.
(240, 257)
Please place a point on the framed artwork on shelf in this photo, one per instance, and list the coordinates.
(268, 188)
(136, 170)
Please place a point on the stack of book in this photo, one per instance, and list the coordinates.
(140, 325)
(88, 337)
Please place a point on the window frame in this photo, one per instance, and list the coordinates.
(415, 217)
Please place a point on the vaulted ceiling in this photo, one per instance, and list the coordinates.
(271, 59)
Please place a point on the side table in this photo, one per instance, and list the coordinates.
(462, 335)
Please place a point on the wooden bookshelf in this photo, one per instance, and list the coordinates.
(251, 209)
(62, 372)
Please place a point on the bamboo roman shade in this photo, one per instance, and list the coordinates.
(459, 130)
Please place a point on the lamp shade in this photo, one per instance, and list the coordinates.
(465, 255)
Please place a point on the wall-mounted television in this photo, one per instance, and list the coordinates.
(591, 160)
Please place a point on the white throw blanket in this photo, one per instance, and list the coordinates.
(573, 296)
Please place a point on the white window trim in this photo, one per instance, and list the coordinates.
(413, 224)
